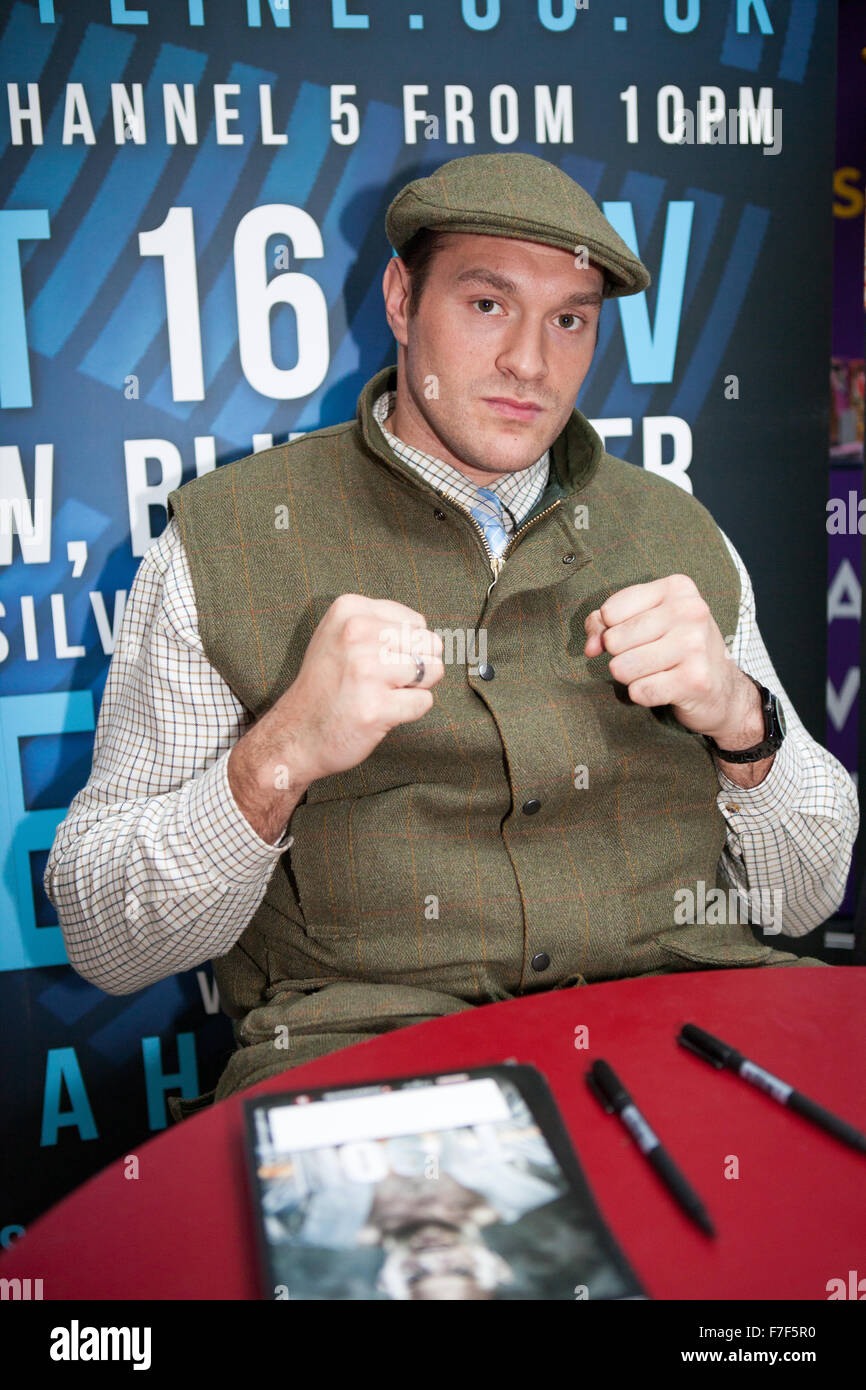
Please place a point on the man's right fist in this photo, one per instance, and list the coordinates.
(356, 682)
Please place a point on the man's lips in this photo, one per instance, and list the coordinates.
(516, 410)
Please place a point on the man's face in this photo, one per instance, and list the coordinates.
(499, 320)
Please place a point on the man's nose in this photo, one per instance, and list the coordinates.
(523, 351)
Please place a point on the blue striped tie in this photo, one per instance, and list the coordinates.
(489, 514)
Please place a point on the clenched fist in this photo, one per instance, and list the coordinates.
(358, 679)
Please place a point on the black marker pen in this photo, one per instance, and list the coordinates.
(610, 1092)
(720, 1054)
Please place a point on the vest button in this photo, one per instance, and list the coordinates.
(531, 806)
(439, 514)
(569, 558)
(486, 672)
(541, 961)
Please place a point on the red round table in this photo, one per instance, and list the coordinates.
(793, 1219)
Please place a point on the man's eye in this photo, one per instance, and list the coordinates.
(485, 301)
(575, 319)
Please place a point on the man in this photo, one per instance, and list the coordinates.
(294, 774)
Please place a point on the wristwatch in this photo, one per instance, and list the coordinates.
(774, 732)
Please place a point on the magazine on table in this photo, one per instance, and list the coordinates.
(454, 1185)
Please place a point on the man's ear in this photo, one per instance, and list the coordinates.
(396, 288)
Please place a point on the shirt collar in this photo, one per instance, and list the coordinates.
(518, 491)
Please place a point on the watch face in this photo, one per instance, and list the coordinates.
(780, 716)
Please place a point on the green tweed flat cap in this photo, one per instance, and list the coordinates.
(515, 195)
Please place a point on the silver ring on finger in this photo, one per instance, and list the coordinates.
(419, 670)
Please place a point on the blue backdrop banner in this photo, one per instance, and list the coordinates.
(191, 255)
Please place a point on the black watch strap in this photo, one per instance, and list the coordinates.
(774, 732)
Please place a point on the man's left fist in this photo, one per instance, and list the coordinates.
(667, 648)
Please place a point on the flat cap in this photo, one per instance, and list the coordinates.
(515, 195)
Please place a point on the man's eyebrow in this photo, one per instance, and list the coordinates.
(480, 275)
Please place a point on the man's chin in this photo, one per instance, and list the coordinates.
(511, 460)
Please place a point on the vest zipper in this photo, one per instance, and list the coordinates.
(497, 561)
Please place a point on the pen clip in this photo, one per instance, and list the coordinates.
(699, 1051)
(599, 1093)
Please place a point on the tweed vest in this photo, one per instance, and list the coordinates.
(531, 830)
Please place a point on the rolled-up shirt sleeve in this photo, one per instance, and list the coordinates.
(155, 869)
(790, 838)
